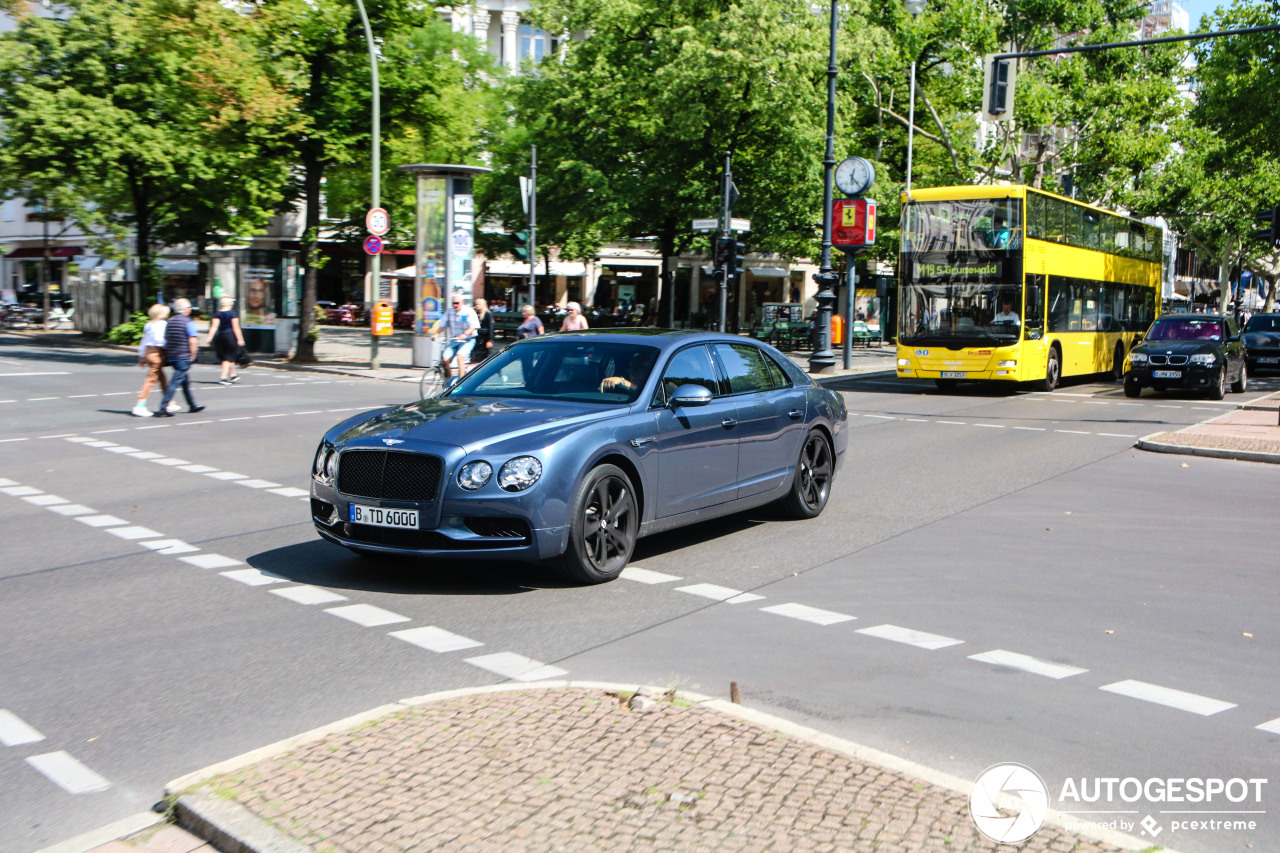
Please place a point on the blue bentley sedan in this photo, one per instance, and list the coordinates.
(567, 448)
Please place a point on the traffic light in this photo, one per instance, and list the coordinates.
(997, 91)
(520, 245)
(720, 252)
(1271, 233)
(737, 253)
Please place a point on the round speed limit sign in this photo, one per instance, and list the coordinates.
(377, 221)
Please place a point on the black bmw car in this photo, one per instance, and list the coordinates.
(1189, 352)
(1262, 342)
(568, 447)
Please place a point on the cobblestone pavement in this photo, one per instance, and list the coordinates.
(572, 768)
(1251, 433)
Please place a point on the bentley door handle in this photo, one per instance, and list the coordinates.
(795, 414)
(728, 423)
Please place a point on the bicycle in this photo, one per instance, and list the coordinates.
(433, 381)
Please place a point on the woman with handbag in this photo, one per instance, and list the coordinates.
(226, 339)
(151, 357)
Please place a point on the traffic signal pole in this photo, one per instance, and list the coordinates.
(823, 360)
(726, 205)
(533, 228)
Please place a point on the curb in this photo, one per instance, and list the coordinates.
(1152, 444)
(233, 829)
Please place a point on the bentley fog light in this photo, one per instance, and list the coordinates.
(1204, 358)
(519, 474)
(474, 475)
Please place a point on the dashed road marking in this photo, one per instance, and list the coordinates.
(257, 484)
(253, 577)
(633, 573)
(210, 561)
(435, 639)
(517, 667)
(197, 469)
(169, 546)
(73, 509)
(135, 532)
(121, 448)
(289, 492)
(910, 637)
(720, 593)
(1272, 726)
(367, 615)
(1026, 663)
(45, 500)
(14, 731)
(805, 613)
(307, 594)
(100, 520)
(227, 475)
(68, 774)
(1167, 696)
(19, 491)
(171, 461)
(146, 454)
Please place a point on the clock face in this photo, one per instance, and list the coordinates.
(854, 176)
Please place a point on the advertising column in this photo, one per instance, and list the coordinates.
(429, 273)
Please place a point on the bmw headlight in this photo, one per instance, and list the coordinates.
(1204, 358)
(473, 475)
(520, 473)
(1137, 358)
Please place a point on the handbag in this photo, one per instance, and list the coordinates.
(242, 358)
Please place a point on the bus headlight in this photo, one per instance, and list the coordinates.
(903, 362)
(1204, 358)
(1013, 362)
(1137, 358)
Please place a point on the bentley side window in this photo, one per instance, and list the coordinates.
(690, 366)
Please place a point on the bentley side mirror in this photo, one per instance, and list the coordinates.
(690, 395)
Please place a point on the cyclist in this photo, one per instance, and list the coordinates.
(459, 326)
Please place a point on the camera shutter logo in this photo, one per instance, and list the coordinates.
(1008, 803)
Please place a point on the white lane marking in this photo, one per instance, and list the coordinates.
(253, 577)
(435, 639)
(882, 417)
(1072, 431)
(224, 420)
(1127, 404)
(122, 448)
(806, 613)
(100, 520)
(134, 532)
(1272, 726)
(307, 594)
(10, 440)
(116, 393)
(315, 412)
(1203, 409)
(257, 484)
(227, 475)
(61, 434)
(919, 639)
(45, 373)
(267, 384)
(105, 431)
(1117, 435)
(5, 481)
(171, 460)
(952, 423)
(289, 492)
(79, 439)
(146, 454)
(1032, 429)
(67, 773)
(79, 396)
(169, 546)
(918, 420)
(8, 401)
(1164, 406)
(278, 415)
(45, 500)
(210, 561)
(367, 615)
(517, 667)
(14, 731)
(1026, 663)
(157, 426)
(192, 423)
(198, 469)
(73, 509)
(1180, 699)
(720, 593)
(19, 491)
(100, 444)
(991, 426)
(646, 576)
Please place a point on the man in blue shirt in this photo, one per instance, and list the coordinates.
(181, 343)
(459, 326)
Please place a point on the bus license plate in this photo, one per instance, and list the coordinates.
(1166, 374)
(953, 374)
(376, 516)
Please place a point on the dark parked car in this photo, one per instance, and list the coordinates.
(1191, 352)
(1262, 342)
(568, 447)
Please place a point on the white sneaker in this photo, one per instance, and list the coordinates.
(174, 407)
(141, 411)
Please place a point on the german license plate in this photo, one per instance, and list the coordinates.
(1269, 360)
(1166, 374)
(953, 374)
(376, 516)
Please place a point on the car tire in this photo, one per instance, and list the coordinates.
(1132, 387)
(1241, 384)
(1117, 364)
(1219, 388)
(811, 485)
(604, 527)
(1052, 372)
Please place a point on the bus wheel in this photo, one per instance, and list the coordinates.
(1117, 366)
(1052, 371)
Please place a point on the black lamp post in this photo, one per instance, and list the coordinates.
(823, 360)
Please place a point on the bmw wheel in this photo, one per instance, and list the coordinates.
(602, 534)
(1241, 384)
(811, 485)
(1132, 387)
(1117, 363)
(1219, 388)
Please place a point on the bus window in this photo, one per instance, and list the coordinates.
(1059, 304)
(1035, 216)
(1073, 225)
(1092, 230)
(1033, 310)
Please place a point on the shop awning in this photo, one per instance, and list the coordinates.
(60, 252)
(522, 268)
(178, 266)
(768, 272)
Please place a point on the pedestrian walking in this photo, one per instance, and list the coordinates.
(484, 337)
(574, 321)
(151, 357)
(226, 339)
(181, 343)
(531, 325)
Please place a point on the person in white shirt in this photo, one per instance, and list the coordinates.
(151, 357)
(1007, 315)
(459, 326)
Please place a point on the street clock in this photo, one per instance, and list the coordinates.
(854, 176)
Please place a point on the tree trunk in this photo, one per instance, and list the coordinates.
(148, 276)
(667, 246)
(1224, 276)
(313, 173)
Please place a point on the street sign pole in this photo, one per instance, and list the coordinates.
(726, 206)
(375, 261)
(533, 228)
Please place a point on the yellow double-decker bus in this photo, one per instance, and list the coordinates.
(1011, 284)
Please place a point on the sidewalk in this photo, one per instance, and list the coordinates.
(1250, 434)
(575, 766)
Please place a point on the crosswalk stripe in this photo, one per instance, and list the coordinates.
(1169, 697)
(67, 773)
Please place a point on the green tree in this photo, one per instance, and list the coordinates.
(632, 123)
(143, 116)
(434, 107)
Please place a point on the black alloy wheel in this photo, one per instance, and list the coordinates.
(1219, 388)
(1132, 387)
(602, 535)
(811, 485)
(1117, 364)
(1242, 384)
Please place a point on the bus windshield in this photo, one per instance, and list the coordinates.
(960, 313)
(987, 225)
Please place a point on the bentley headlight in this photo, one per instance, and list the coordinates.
(317, 464)
(1204, 358)
(331, 464)
(519, 474)
(325, 462)
(1137, 358)
(474, 475)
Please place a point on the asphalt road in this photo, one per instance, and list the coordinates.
(1121, 603)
